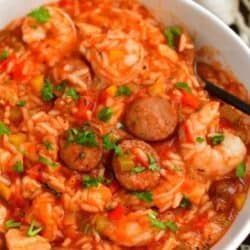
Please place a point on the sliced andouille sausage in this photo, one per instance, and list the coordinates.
(81, 149)
(137, 169)
(151, 118)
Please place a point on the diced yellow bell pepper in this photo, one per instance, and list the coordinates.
(5, 191)
(116, 54)
(37, 83)
(126, 163)
(157, 88)
(112, 90)
(101, 223)
(239, 200)
(17, 139)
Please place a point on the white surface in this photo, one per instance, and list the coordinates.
(208, 30)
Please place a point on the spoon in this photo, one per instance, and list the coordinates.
(222, 94)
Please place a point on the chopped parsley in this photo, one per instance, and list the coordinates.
(88, 181)
(138, 170)
(72, 93)
(123, 90)
(33, 230)
(241, 170)
(62, 86)
(4, 55)
(183, 86)
(21, 103)
(12, 224)
(85, 137)
(185, 203)
(47, 91)
(172, 34)
(105, 114)
(110, 144)
(48, 145)
(217, 138)
(47, 161)
(41, 14)
(3, 129)
(200, 139)
(18, 167)
(162, 225)
(153, 164)
(145, 196)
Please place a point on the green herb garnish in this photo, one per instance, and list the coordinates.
(217, 138)
(162, 225)
(145, 196)
(3, 129)
(123, 90)
(18, 167)
(47, 91)
(85, 137)
(105, 114)
(33, 230)
(41, 14)
(47, 162)
(88, 181)
(183, 86)
(185, 203)
(62, 86)
(241, 170)
(4, 55)
(48, 145)
(138, 170)
(72, 93)
(172, 34)
(200, 139)
(153, 164)
(12, 224)
(21, 103)
(111, 144)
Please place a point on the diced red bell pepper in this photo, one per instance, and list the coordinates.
(17, 198)
(63, 3)
(116, 213)
(190, 100)
(4, 64)
(84, 104)
(114, 186)
(188, 134)
(35, 172)
(17, 72)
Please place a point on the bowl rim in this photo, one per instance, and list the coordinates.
(243, 231)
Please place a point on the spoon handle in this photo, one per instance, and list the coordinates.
(227, 97)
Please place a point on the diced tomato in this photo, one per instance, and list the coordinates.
(190, 100)
(114, 186)
(200, 222)
(63, 3)
(116, 213)
(17, 72)
(35, 172)
(103, 97)
(187, 132)
(17, 198)
(84, 104)
(4, 64)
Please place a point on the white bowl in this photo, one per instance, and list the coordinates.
(208, 30)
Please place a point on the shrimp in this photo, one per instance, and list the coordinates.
(130, 230)
(52, 39)
(203, 157)
(115, 57)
